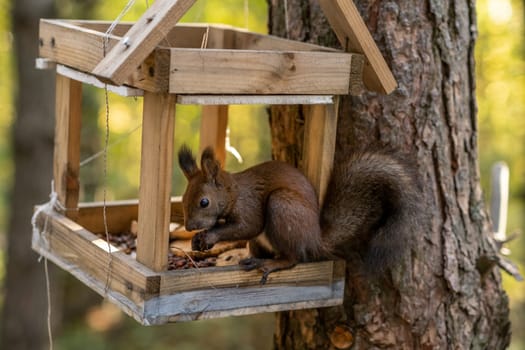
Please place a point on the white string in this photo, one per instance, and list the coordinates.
(104, 192)
(46, 208)
(112, 144)
(115, 23)
(48, 290)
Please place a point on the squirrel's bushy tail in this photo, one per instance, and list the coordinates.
(370, 209)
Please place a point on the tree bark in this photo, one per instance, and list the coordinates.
(25, 307)
(445, 294)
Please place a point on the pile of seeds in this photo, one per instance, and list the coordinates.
(126, 242)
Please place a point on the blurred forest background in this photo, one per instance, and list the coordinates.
(93, 324)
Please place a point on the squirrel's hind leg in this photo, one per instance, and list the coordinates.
(267, 266)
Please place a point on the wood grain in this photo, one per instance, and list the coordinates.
(194, 71)
(155, 180)
(319, 144)
(85, 251)
(214, 122)
(66, 162)
(142, 38)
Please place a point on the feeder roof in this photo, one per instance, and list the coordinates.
(162, 15)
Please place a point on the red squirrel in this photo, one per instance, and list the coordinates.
(369, 208)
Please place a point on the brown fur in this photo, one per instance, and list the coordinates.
(368, 206)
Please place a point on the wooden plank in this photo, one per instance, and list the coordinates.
(354, 36)
(319, 144)
(141, 39)
(214, 122)
(82, 49)
(254, 99)
(93, 81)
(155, 180)
(194, 71)
(85, 251)
(212, 303)
(66, 161)
(245, 40)
(69, 44)
(119, 214)
(306, 274)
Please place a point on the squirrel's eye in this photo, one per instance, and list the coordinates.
(204, 202)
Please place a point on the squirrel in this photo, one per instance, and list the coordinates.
(369, 208)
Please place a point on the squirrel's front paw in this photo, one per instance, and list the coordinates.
(199, 241)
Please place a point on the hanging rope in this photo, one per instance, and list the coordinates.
(46, 208)
(115, 23)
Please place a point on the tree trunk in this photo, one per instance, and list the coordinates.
(25, 306)
(444, 295)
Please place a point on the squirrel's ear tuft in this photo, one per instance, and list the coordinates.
(210, 166)
(187, 162)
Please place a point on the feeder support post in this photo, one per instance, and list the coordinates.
(319, 144)
(214, 122)
(66, 162)
(155, 180)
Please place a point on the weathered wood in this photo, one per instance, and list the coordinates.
(354, 36)
(155, 180)
(66, 43)
(319, 144)
(140, 41)
(214, 122)
(66, 162)
(119, 214)
(81, 48)
(194, 71)
(307, 274)
(184, 295)
(254, 99)
(92, 80)
(69, 241)
(211, 303)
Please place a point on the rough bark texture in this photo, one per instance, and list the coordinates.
(443, 296)
(25, 306)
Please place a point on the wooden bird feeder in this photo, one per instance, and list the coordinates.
(211, 65)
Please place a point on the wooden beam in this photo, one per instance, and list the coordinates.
(194, 71)
(354, 36)
(214, 122)
(119, 214)
(155, 180)
(319, 144)
(93, 81)
(254, 99)
(82, 49)
(141, 39)
(66, 162)
(83, 250)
